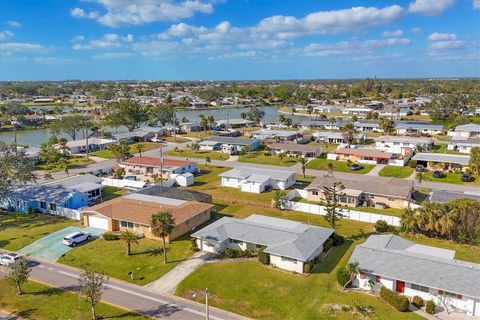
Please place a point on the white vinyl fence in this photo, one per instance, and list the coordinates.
(67, 213)
(348, 213)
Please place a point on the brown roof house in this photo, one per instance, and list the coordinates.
(134, 212)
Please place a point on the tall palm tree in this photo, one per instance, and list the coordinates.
(162, 226)
(349, 132)
(420, 176)
(211, 122)
(303, 161)
(130, 238)
(140, 148)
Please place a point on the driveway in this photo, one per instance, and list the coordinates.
(50, 247)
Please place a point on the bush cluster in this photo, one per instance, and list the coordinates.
(343, 276)
(430, 307)
(381, 226)
(412, 163)
(308, 266)
(397, 301)
(418, 302)
(338, 239)
(327, 245)
(238, 253)
(263, 257)
(109, 236)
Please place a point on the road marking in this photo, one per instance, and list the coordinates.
(141, 295)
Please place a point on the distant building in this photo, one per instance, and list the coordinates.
(294, 150)
(470, 130)
(256, 180)
(150, 167)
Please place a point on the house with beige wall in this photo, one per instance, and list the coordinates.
(155, 168)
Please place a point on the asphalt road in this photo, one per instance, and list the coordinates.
(125, 295)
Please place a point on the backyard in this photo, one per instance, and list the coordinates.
(110, 193)
(260, 157)
(189, 153)
(322, 164)
(19, 230)
(72, 163)
(396, 172)
(43, 302)
(147, 146)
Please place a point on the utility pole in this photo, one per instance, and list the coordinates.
(161, 166)
(206, 305)
(174, 125)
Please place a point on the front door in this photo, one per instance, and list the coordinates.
(400, 286)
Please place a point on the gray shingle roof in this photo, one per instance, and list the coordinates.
(74, 181)
(442, 157)
(245, 172)
(231, 140)
(469, 127)
(281, 237)
(418, 126)
(393, 257)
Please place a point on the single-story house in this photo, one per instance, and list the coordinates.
(155, 168)
(289, 243)
(470, 130)
(134, 212)
(442, 161)
(94, 144)
(336, 137)
(443, 196)
(54, 199)
(463, 145)
(418, 128)
(234, 123)
(396, 144)
(32, 153)
(322, 124)
(256, 180)
(190, 126)
(371, 192)
(370, 156)
(134, 136)
(176, 193)
(228, 145)
(356, 111)
(418, 270)
(367, 126)
(86, 183)
(283, 135)
(294, 149)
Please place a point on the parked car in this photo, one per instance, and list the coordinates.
(467, 177)
(419, 168)
(75, 238)
(356, 167)
(438, 174)
(9, 258)
(158, 140)
(131, 178)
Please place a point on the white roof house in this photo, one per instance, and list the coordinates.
(289, 243)
(442, 158)
(80, 146)
(470, 130)
(255, 180)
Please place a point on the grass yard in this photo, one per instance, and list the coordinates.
(19, 230)
(72, 163)
(322, 164)
(454, 178)
(178, 139)
(397, 172)
(387, 211)
(44, 303)
(260, 157)
(110, 193)
(197, 134)
(189, 153)
(146, 260)
(106, 154)
(442, 148)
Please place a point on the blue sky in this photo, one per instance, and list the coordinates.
(238, 39)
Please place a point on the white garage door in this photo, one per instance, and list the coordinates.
(98, 222)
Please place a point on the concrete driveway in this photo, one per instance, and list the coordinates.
(51, 248)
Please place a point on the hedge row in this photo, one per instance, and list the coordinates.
(397, 301)
(238, 253)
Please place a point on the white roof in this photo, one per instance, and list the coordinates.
(154, 199)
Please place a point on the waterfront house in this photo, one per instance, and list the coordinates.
(295, 150)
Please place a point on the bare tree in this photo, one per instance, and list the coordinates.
(19, 273)
(92, 285)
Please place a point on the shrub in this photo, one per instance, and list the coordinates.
(430, 307)
(233, 253)
(248, 253)
(327, 245)
(418, 302)
(338, 239)
(193, 245)
(307, 267)
(412, 163)
(343, 276)
(263, 257)
(109, 236)
(381, 226)
(397, 301)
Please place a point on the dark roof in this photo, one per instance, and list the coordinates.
(175, 193)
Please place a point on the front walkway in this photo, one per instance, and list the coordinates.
(375, 170)
(169, 282)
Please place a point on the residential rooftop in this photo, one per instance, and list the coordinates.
(442, 157)
(155, 162)
(247, 172)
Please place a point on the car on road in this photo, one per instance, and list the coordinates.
(467, 177)
(75, 238)
(438, 174)
(356, 167)
(419, 168)
(9, 258)
(158, 140)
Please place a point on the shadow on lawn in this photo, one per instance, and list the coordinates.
(333, 258)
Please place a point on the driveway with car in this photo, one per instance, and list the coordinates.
(51, 248)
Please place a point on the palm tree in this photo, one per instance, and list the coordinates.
(162, 226)
(352, 269)
(195, 147)
(330, 168)
(210, 121)
(303, 161)
(349, 132)
(420, 176)
(130, 238)
(387, 125)
(63, 164)
(64, 149)
(208, 160)
(140, 148)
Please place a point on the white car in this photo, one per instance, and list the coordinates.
(9, 258)
(75, 238)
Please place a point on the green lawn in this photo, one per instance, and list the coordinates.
(72, 163)
(454, 178)
(106, 154)
(146, 260)
(19, 230)
(189, 153)
(197, 134)
(110, 193)
(397, 172)
(44, 303)
(387, 211)
(260, 157)
(178, 139)
(442, 148)
(322, 164)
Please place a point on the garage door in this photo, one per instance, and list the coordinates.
(98, 222)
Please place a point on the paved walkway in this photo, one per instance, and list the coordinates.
(376, 170)
(169, 282)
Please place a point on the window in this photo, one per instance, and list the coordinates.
(43, 205)
(377, 279)
(289, 260)
(235, 241)
(391, 199)
(53, 207)
(315, 193)
(419, 288)
(126, 224)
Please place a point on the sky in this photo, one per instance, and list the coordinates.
(238, 39)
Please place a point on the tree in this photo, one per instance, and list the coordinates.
(63, 147)
(330, 167)
(15, 168)
(120, 151)
(445, 108)
(333, 210)
(243, 115)
(349, 132)
(211, 122)
(474, 163)
(256, 114)
(280, 199)
(140, 148)
(70, 125)
(208, 160)
(63, 164)
(128, 113)
(386, 125)
(92, 285)
(303, 161)
(19, 273)
(185, 120)
(162, 226)
(203, 122)
(420, 176)
(195, 147)
(352, 269)
(130, 238)
(163, 114)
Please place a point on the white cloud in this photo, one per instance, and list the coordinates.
(6, 35)
(237, 55)
(476, 4)
(417, 30)
(430, 7)
(138, 12)
(396, 33)
(436, 36)
(13, 23)
(447, 45)
(353, 47)
(51, 60)
(113, 55)
(20, 47)
(109, 40)
(78, 38)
